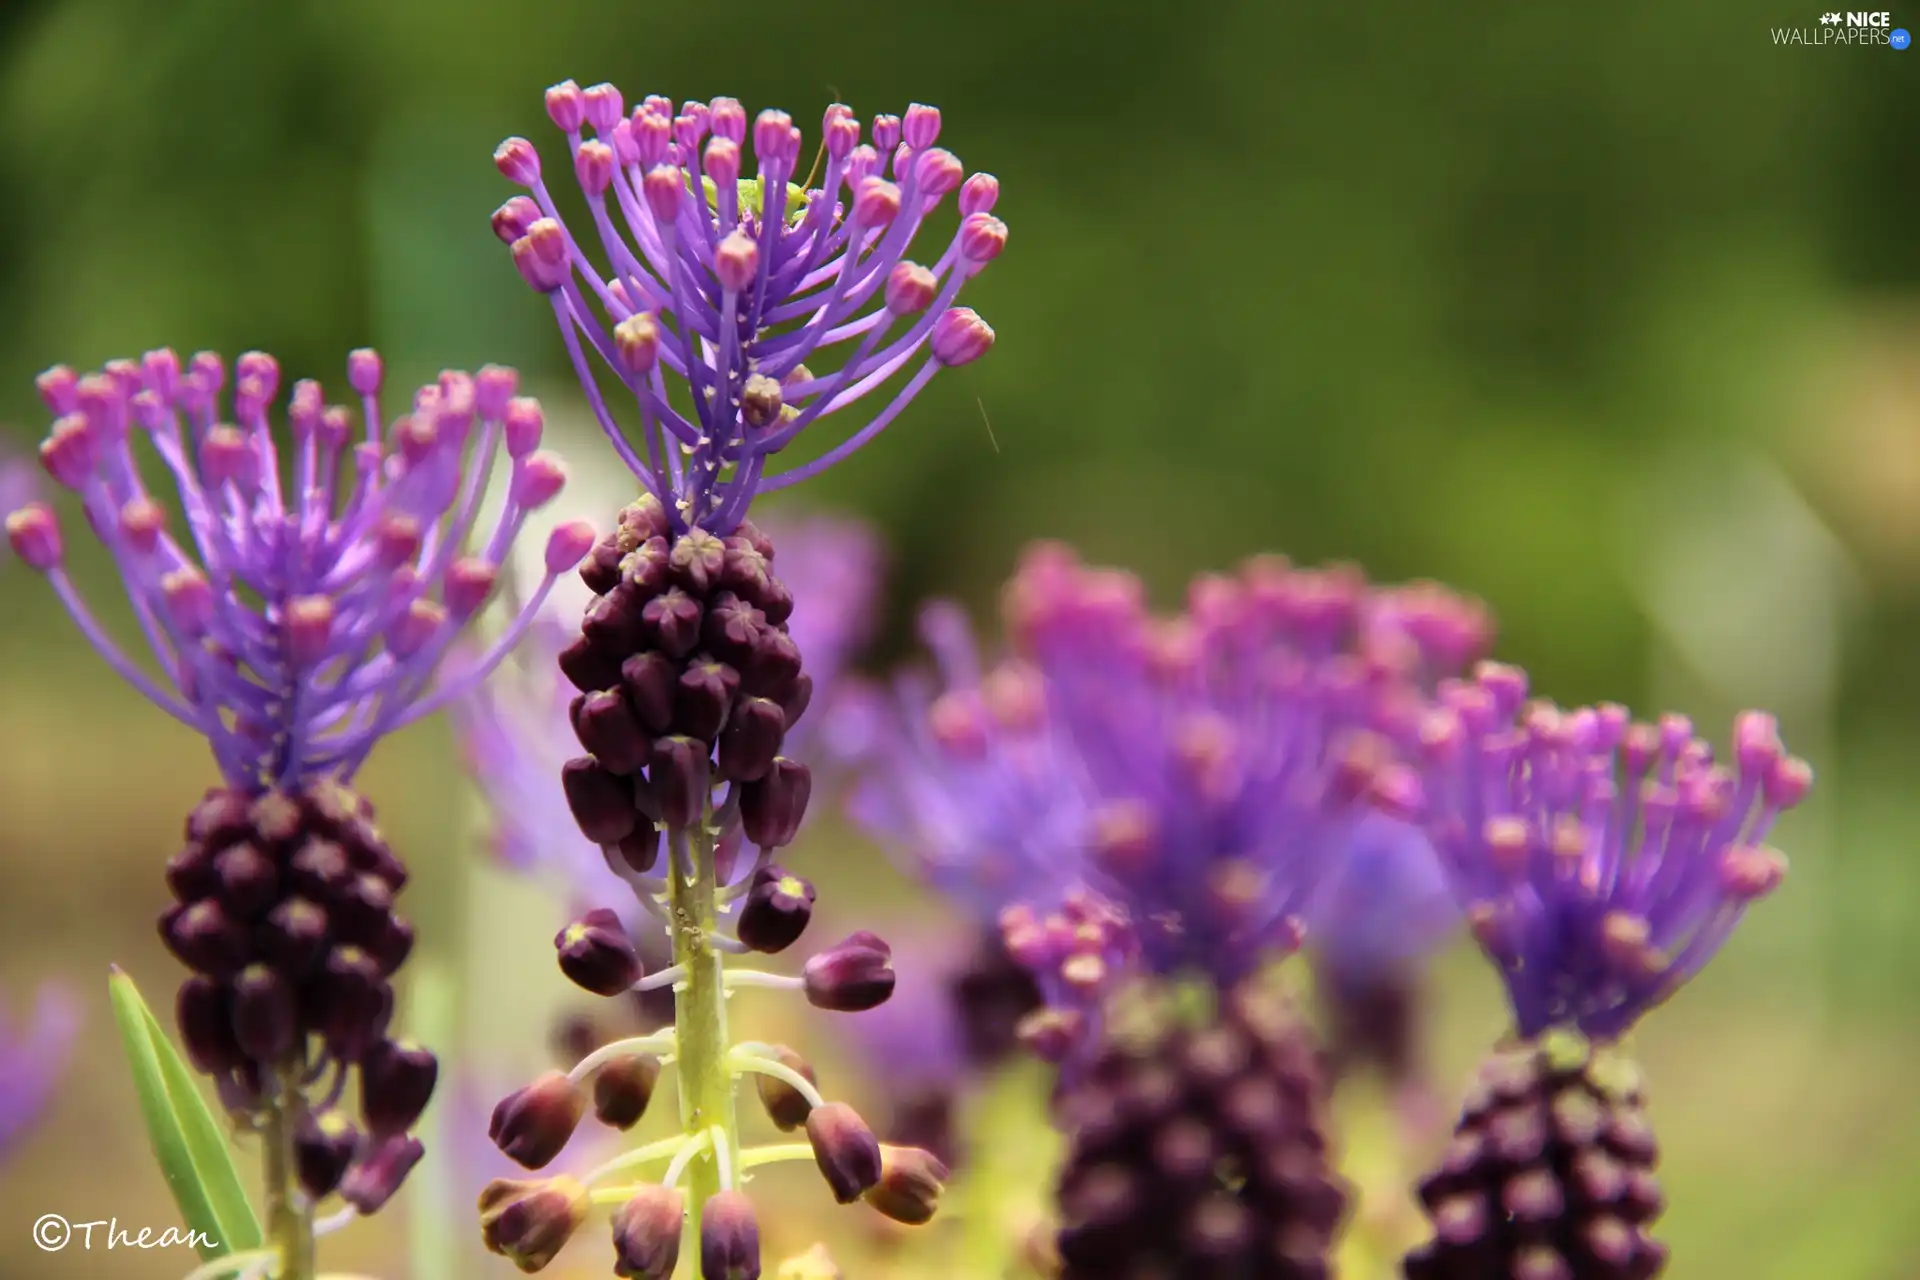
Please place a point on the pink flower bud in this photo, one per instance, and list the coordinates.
(537, 479)
(979, 194)
(921, 126)
(365, 370)
(142, 521)
(876, 202)
(189, 600)
(517, 162)
(886, 133)
(58, 389)
(652, 136)
(604, 107)
(468, 584)
(722, 163)
(664, 188)
(309, 626)
(728, 119)
(568, 545)
(910, 288)
(34, 535)
(414, 627)
(593, 166)
(68, 451)
(937, 171)
(625, 150)
(735, 261)
(523, 425)
(772, 132)
(960, 337)
(637, 341)
(982, 237)
(566, 106)
(541, 255)
(493, 390)
(841, 131)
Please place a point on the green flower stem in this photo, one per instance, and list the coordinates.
(700, 1022)
(289, 1218)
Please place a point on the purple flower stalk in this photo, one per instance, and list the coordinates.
(297, 613)
(1166, 794)
(33, 1060)
(1601, 862)
(731, 285)
(295, 618)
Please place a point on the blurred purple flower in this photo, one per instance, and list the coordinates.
(33, 1060)
(18, 483)
(1171, 792)
(515, 733)
(732, 285)
(1601, 863)
(1385, 906)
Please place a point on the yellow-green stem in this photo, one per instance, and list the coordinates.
(289, 1218)
(700, 1024)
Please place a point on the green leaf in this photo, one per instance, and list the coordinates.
(188, 1142)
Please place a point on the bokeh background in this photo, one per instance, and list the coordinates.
(1609, 315)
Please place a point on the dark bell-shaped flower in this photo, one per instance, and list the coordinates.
(779, 904)
(206, 1025)
(351, 1001)
(911, 1181)
(597, 953)
(852, 977)
(528, 1223)
(646, 1234)
(204, 937)
(378, 1173)
(772, 807)
(786, 1105)
(751, 741)
(623, 1088)
(729, 1238)
(679, 778)
(323, 1147)
(845, 1149)
(396, 1082)
(601, 801)
(264, 1014)
(533, 1124)
(293, 938)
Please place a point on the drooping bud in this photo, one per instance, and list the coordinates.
(729, 1238)
(679, 779)
(850, 978)
(264, 1014)
(600, 800)
(960, 336)
(323, 1147)
(911, 1181)
(379, 1172)
(528, 1223)
(206, 1025)
(845, 1149)
(779, 904)
(396, 1083)
(623, 1088)
(786, 1106)
(646, 1234)
(533, 1125)
(772, 807)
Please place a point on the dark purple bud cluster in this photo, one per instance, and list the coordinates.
(1197, 1146)
(688, 679)
(284, 910)
(1550, 1174)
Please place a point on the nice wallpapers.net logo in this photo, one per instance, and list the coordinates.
(1847, 30)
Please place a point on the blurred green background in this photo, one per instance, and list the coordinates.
(1606, 314)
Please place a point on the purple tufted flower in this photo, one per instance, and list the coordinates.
(1167, 792)
(301, 597)
(1601, 862)
(33, 1059)
(732, 283)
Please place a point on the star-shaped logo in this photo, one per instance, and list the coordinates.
(1829, 19)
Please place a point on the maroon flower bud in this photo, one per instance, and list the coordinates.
(797, 699)
(733, 627)
(596, 953)
(646, 1234)
(206, 1025)
(646, 517)
(849, 978)
(293, 937)
(845, 1149)
(696, 560)
(528, 1223)
(247, 880)
(772, 807)
(373, 1179)
(911, 1181)
(670, 622)
(640, 849)
(617, 621)
(219, 819)
(391, 945)
(190, 873)
(786, 1106)
(774, 666)
(319, 869)
(703, 697)
(349, 1002)
(645, 567)
(601, 569)
(607, 727)
(264, 1014)
(729, 1238)
(360, 909)
(600, 800)
(588, 667)
(680, 779)
(533, 1124)
(396, 1082)
(649, 680)
(751, 740)
(776, 911)
(623, 1088)
(204, 937)
(323, 1147)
